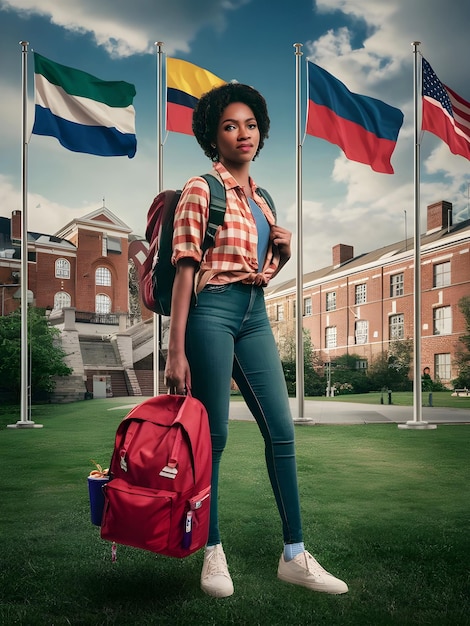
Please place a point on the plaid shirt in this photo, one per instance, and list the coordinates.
(233, 258)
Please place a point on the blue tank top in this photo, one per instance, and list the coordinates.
(263, 232)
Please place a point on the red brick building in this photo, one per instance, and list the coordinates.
(358, 305)
(84, 265)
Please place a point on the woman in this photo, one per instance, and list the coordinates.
(227, 332)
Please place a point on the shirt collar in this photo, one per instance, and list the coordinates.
(227, 178)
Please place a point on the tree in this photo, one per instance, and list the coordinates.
(391, 369)
(462, 357)
(346, 377)
(135, 312)
(45, 354)
(314, 384)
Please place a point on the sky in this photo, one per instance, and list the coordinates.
(364, 43)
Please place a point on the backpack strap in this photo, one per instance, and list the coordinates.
(267, 196)
(217, 206)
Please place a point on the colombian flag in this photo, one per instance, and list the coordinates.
(185, 83)
(366, 129)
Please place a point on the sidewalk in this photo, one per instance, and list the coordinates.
(317, 412)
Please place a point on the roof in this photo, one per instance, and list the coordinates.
(380, 256)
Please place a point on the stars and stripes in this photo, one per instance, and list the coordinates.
(445, 113)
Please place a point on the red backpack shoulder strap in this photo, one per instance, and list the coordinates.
(163, 205)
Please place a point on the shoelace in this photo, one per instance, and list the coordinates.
(313, 566)
(216, 563)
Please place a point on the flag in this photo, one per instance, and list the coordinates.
(445, 114)
(365, 129)
(84, 113)
(185, 83)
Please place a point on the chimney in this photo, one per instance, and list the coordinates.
(15, 226)
(439, 216)
(341, 254)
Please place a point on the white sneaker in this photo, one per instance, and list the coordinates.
(215, 579)
(306, 571)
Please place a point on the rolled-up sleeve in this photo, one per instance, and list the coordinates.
(190, 222)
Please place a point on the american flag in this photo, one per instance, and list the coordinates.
(445, 113)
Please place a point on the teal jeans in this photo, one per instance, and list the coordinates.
(228, 334)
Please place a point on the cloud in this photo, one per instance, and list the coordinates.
(42, 212)
(126, 28)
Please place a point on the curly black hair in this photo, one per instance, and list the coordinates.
(210, 106)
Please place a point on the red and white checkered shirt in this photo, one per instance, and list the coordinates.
(233, 258)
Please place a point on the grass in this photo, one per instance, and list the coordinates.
(442, 399)
(385, 509)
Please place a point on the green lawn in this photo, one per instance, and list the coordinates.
(387, 510)
(403, 398)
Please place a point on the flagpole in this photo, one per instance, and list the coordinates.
(24, 421)
(417, 421)
(156, 317)
(299, 279)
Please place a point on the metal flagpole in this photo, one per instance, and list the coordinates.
(417, 421)
(156, 317)
(299, 280)
(24, 421)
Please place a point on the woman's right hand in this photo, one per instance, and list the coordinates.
(177, 374)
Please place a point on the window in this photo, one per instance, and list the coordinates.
(103, 276)
(331, 301)
(361, 364)
(361, 331)
(102, 304)
(62, 300)
(280, 312)
(397, 326)
(360, 294)
(442, 366)
(396, 285)
(443, 320)
(330, 337)
(62, 268)
(307, 307)
(114, 245)
(441, 274)
(104, 246)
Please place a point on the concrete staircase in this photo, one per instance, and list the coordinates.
(110, 354)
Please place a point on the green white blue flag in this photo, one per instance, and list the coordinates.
(85, 113)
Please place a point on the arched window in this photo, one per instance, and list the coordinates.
(103, 276)
(102, 304)
(62, 268)
(62, 300)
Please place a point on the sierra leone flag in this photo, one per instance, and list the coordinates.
(84, 113)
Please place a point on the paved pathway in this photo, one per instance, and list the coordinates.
(318, 412)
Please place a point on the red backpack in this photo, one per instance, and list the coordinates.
(158, 496)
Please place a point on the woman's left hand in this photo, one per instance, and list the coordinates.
(281, 237)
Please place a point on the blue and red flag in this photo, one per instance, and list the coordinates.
(366, 129)
(445, 113)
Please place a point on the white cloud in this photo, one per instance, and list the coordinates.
(125, 28)
(44, 216)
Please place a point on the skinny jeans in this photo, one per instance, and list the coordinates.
(228, 335)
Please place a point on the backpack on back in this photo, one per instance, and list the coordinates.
(158, 495)
(157, 273)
